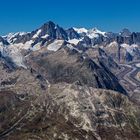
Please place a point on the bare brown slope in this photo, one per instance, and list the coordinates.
(69, 112)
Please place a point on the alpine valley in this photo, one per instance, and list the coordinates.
(70, 84)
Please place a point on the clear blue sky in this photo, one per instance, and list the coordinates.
(107, 15)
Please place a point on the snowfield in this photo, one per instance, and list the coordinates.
(56, 45)
(74, 41)
(80, 30)
(37, 34)
(130, 48)
(138, 65)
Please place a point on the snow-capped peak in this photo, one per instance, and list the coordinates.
(80, 30)
(91, 33)
(130, 48)
(13, 35)
(94, 33)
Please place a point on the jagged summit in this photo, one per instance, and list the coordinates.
(125, 32)
(49, 23)
(81, 38)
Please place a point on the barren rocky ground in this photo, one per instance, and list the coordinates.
(58, 84)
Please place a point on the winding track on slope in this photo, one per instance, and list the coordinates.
(127, 77)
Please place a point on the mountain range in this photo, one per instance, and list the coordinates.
(69, 84)
(125, 44)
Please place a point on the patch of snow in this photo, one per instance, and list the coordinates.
(134, 45)
(95, 30)
(56, 45)
(94, 33)
(11, 36)
(37, 34)
(21, 46)
(130, 48)
(74, 41)
(80, 30)
(14, 53)
(28, 44)
(45, 36)
(73, 48)
(22, 33)
(138, 65)
(112, 44)
(1, 44)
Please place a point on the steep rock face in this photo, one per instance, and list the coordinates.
(72, 34)
(123, 53)
(84, 44)
(61, 34)
(68, 112)
(3, 41)
(102, 58)
(48, 28)
(6, 65)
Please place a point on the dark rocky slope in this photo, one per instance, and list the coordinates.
(68, 112)
(70, 66)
